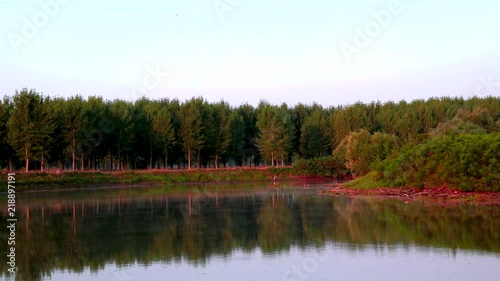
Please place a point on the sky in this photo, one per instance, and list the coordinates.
(332, 52)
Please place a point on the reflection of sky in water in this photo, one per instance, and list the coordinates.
(334, 262)
(250, 233)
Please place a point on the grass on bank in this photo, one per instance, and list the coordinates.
(66, 180)
(368, 181)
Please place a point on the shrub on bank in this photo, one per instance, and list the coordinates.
(468, 162)
(320, 167)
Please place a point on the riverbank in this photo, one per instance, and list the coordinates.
(363, 186)
(442, 194)
(34, 181)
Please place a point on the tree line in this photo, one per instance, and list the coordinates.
(40, 132)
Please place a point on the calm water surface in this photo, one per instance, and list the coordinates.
(237, 232)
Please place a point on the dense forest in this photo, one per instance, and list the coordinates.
(39, 132)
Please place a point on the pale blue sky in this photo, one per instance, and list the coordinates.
(279, 50)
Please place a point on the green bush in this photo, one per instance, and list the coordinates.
(319, 167)
(468, 162)
(361, 150)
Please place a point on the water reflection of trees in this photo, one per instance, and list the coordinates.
(92, 233)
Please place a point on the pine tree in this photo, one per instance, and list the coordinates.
(163, 128)
(314, 135)
(275, 133)
(74, 125)
(191, 127)
(237, 143)
(5, 148)
(221, 116)
(30, 126)
(121, 116)
(100, 134)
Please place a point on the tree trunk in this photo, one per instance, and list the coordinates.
(27, 160)
(41, 167)
(119, 158)
(166, 157)
(282, 161)
(272, 159)
(83, 163)
(151, 159)
(189, 158)
(73, 153)
(216, 161)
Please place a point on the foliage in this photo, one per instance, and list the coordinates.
(236, 148)
(97, 134)
(359, 154)
(121, 117)
(191, 127)
(362, 150)
(477, 121)
(314, 134)
(5, 149)
(30, 126)
(162, 127)
(275, 134)
(468, 162)
(73, 119)
(221, 119)
(321, 167)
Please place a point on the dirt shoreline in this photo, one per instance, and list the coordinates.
(442, 194)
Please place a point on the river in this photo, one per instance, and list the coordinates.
(247, 232)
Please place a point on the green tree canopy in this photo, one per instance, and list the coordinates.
(30, 126)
